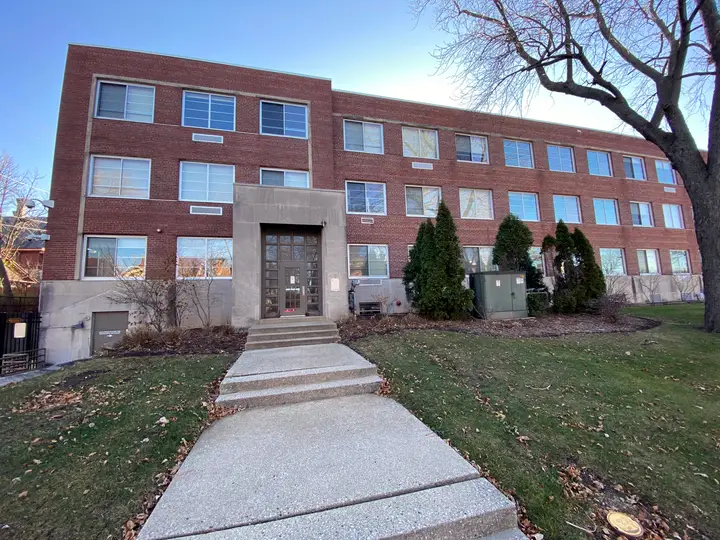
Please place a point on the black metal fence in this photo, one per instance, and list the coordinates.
(20, 335)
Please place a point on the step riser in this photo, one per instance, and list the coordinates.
(280, 328)
(228, 400)
(294, 380)
(289, 343)
(253, 337)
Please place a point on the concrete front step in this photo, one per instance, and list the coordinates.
(292, 333)
(295, 326)
(298, 377)
(470, 510)
(292, 342)
(299, 393)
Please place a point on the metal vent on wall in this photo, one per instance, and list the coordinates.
(421, 165)
(367, 220)
(207, 210)
(204, 137)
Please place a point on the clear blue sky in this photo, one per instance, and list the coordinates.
(375, 46)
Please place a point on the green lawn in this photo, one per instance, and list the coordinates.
(636, 410)
(81, 468)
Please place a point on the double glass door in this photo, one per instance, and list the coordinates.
(291, 272)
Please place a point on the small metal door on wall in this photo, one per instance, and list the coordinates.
(291, 263)
(108, 327)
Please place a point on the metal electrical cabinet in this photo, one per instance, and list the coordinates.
(499, 295)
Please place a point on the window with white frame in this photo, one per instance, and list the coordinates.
(561, 159)
(599, 163)
(537, 259)
(213, 111)
(673, 216)
(285, 119)
(206, 182)
(366, 260)
(114, 256)
(567, 208)
(634, 167)
(518, 154)
(472, 148)
(202, 258)
(365, 198)
(420, 143)
(363, 137)
(282, 178)
(422, 201)
(125, 102)
(478, 259)
(119, 177)
(648, 261)
(612, 261)
(641, 213)
(665, 172)
(679, 261)
(524, 206)
(476, 204)
(606, 212)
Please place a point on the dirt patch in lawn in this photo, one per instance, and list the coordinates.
(180, 341)
(545, 326)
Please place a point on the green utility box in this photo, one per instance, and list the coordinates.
(499, 295)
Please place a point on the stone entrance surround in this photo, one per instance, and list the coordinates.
(256, 205)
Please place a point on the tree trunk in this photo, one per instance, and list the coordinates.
(704, 191)
(7, 287)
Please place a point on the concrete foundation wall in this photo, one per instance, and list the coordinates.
(67, 309)
(255, 206)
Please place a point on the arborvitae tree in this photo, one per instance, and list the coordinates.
(578, 278)
(511, 251)
(591, 278)
(563, 246)
(411, 272)
(456, 298)
(430, 279)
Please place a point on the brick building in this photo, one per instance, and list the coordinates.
(281, 189)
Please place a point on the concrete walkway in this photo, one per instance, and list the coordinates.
(358, 466)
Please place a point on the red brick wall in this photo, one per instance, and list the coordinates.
(163, 218)
(396, 171)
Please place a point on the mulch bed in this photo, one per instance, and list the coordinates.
(215, 340)
(551, 325)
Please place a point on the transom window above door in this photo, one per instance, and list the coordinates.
(420, 143)
(211, 111)
(125, 102)
(473, 148)
(283, 178)
(283, 119)
(422, 201)
(365, 198)
(363, 137)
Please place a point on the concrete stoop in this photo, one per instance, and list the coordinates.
(291, 375)
(290, 332)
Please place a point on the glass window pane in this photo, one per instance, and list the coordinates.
(511, 154)
(219, 257)
(272, 178)
(665, 172)
(295, 120)
(356, 197)
(130, 258)
(222, 112)
(272, 118)
(111, 100)
(428, 144)
(411, 142)
(375, 194)
(100, 257)
(372, 138)
(463, 148)
(414, 201)
(196, 109)
(378, 261)
(140, 103)
(191, 254)
(431, 201)
(358, 256)
(296, 179)
(354, 136)
(106, 177)
(612, 261)
(471, 260)
(479, 149)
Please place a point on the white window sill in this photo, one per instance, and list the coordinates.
(474, 162)
(285, 136)
(125, 119)
(210, 129)
(478, 218)
(365, 152)
(519, 166)
(94, 196)
(205, 201)
(364, 213)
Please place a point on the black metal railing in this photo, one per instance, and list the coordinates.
(22, 361)
(19, 304)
